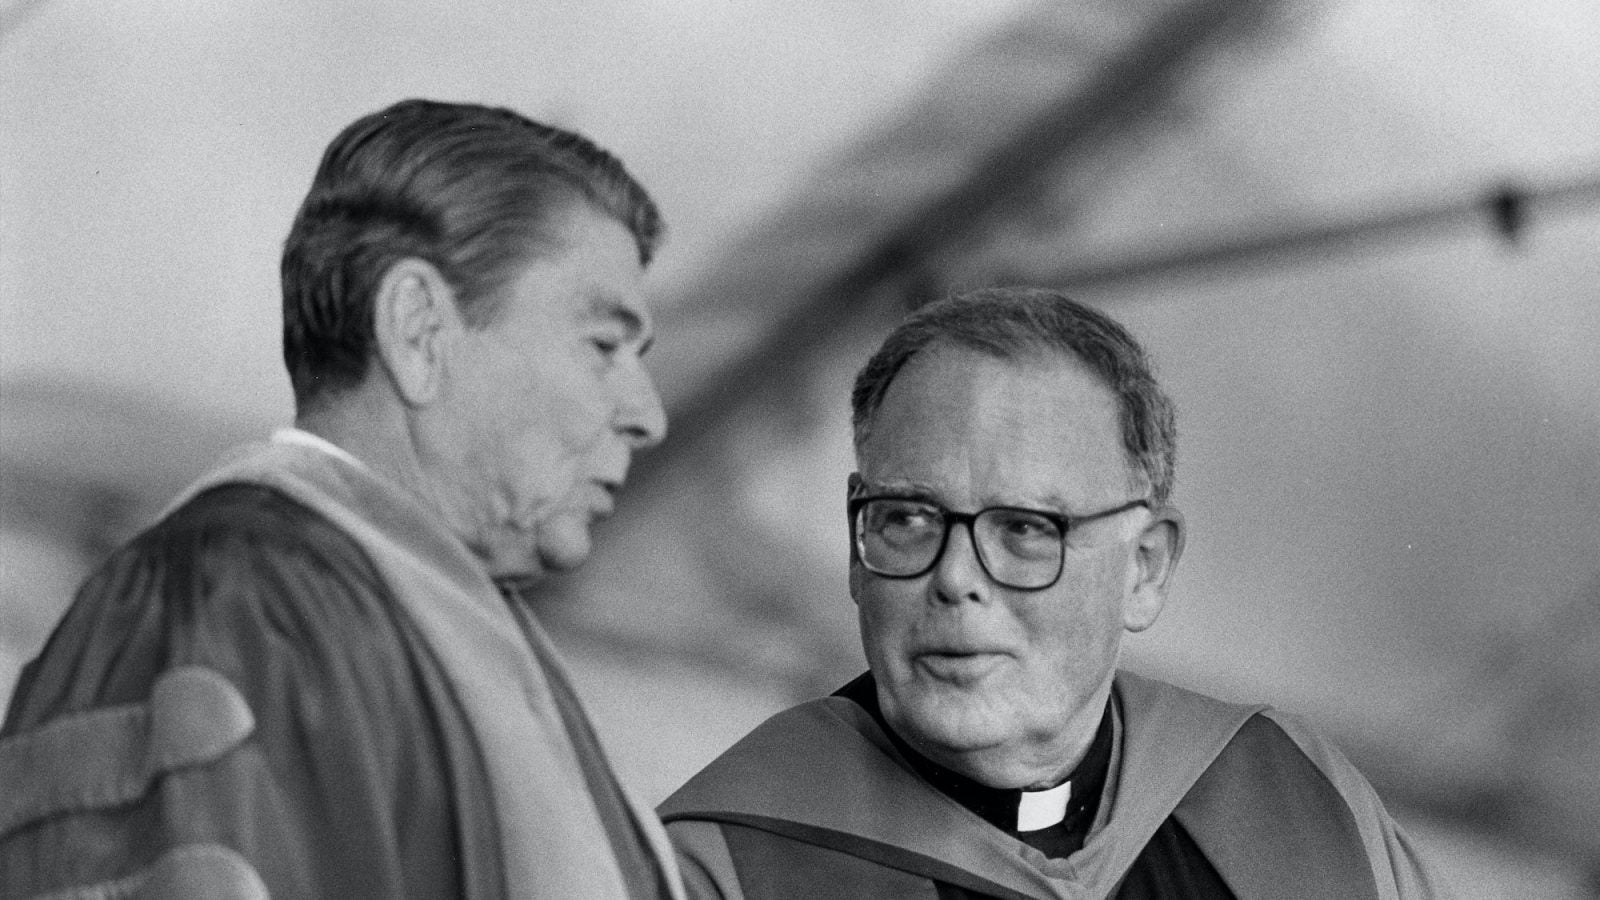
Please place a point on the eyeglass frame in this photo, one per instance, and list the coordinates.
(1063, 523)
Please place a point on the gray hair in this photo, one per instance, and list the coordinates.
(1012, 322)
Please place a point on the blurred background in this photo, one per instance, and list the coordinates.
(1361, 237)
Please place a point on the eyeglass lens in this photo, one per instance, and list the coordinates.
(903, 538)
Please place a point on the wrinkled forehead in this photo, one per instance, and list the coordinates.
(590, 263)
(962, 386)
(968, 420)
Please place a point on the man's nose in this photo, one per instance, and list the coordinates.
(640, 415)
(959, 574)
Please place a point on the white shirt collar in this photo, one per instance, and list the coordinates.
(316, 442)
(1042, 809)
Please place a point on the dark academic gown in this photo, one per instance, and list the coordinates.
(818, 802)
(255, 698)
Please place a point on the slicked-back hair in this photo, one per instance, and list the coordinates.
(472, 190)
(1018, 323)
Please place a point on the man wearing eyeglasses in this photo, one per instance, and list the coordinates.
(1011, 520)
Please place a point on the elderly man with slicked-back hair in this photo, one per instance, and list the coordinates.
(315, 676)
(1011, 520)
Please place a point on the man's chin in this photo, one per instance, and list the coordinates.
(956, 720)
(563, 550)
(524, 563)
(970, 742)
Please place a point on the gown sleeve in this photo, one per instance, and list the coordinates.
(229, 708)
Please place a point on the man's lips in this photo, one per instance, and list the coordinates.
(951, 664)
(957, 646)
(605, 499)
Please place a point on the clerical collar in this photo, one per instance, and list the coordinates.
(1071, 805)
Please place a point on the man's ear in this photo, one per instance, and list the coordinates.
(414, 314)
(1160, 543)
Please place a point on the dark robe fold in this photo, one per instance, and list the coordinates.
(299, 683)
(336, 790)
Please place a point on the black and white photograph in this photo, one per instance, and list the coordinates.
(713, 450)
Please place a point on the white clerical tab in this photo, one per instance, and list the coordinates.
(1041, 809)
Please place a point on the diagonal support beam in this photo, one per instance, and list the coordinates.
(1121, 87)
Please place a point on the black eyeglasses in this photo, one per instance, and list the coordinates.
(901, 537)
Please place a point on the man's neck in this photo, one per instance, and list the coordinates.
(374, 430)
(374, 426)
(1005, 808)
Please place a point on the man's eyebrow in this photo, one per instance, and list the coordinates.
(907, 489)
(609, 306)
(1055, 502)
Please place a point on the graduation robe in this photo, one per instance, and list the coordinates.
(299, 684)
(817, 802)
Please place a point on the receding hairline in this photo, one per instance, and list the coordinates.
(1004, 322)
(1028, 352)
